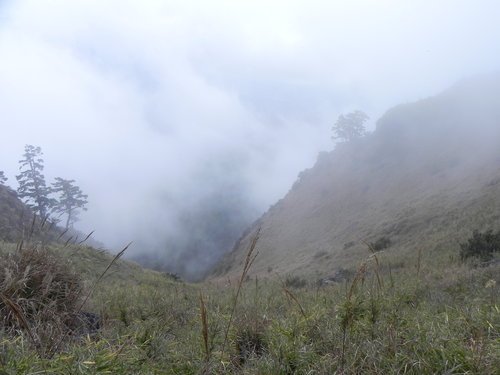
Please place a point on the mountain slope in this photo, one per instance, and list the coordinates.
(14, 215)
(426, 178)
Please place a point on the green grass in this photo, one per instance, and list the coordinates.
(423, 314)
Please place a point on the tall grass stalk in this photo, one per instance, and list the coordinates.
(204, 331)
(294, 299)
(250, 258)
(348, 315)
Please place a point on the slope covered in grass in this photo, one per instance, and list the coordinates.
(14, 215)
(424, 314)
(420, 313)
(423, 180)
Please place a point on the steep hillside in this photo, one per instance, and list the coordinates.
(427, 177)
(14, 215)
(18, 222)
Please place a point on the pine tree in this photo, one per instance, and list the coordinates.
(71, 200)
(32, 187)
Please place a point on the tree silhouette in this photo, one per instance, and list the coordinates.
(350, 126)
(32, 188)
(2, 178)
(71, 200)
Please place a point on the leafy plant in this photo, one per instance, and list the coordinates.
(481, 245)
(381, 244)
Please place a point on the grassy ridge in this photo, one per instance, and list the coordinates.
(428, 313)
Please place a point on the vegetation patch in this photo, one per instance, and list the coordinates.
(381, 244)
(295, 282)
(481, 245)
(437, 315)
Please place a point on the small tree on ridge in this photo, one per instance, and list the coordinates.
(350, 126)
(71, 200)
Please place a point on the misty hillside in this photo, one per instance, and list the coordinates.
(14, 215)
(423, 180)
(18, 222)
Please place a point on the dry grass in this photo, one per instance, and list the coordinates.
(204, 331)
(250, 258)
(448, 322)
(437, 315)
(40, 295)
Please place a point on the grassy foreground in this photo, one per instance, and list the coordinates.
(429, 314)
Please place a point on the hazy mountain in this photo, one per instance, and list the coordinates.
(424, 179)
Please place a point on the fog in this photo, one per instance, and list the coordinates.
(184, 121)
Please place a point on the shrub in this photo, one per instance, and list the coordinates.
(295, 282)
(173, 276)
(381, 244)
(349, 244)
(481, 245)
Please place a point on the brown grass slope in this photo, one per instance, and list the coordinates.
(15, 216)
(427, 177)
(18, 222)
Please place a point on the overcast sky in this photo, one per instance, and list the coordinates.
(154, 105)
